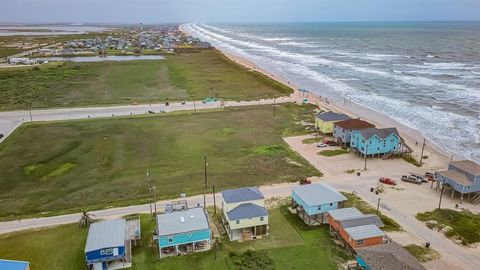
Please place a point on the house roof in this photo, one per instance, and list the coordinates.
(190, 220)
(368, 219)
(13, 265)
(318, 194)
(383, 133)
(332, 116)
(345, 213)
(242, 194)
(364, 232)
(457, 177)
(354, 124)
(106, 234)
(389, 256)
(467, 166)
(247, 210)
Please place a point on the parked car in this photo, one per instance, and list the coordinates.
(419, 177)
(322, 145)
(151, 112)
(411, 179)
(387, 181)
(305, 182)
(430, 176)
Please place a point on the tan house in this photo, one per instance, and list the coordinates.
(244, 214)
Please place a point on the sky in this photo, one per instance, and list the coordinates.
(235, 11)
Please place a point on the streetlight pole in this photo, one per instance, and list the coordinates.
(441, 194)
(366, 154)
(378, 205)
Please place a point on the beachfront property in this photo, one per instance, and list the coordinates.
(312, 202)
(375, 141)
(355, 228)
(463, 177)
(324, 121)
(243, 213)
(109, 243)
(389, 256)
(183, 232)
(342, 130)
(14, 265)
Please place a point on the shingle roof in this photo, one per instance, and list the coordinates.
(354, 124)
(190, 220)
(242, 194)
(364, 232)
(247, 210)
(467, 166)
(318, 194)
(13, 265)
(106, 234)
(345, 213)
(368, 219)
(332, 116)
(382, 133)
(390, 256)
(457, 177)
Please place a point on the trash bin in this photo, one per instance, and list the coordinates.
(427, 244)
(371, 189)
(358, 173)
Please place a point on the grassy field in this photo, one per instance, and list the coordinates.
(465, 225)
(332, 153)
(99, 163)
(422, 254)
(179, 77)
(290, 245)
(355, 201)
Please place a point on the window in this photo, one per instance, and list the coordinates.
(261, 218)
(107, 251)
(363, 141)
(331, 204)
(360, 242)
(319, 207)
(189, 235)
(237, 221)
(170, 239)
(362, 148)
(391, 140)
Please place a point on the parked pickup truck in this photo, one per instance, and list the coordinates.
(411, 179)
(419, 177)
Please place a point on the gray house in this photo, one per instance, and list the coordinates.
(462, 176)
(343, 129)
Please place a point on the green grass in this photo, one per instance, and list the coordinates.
(332, 153)
(66, 166)
(179, 77)
(412, 160)
(290, 245)
(312, 140)
(422, 254)
(7, 51)
(355, 201)
(465, 225)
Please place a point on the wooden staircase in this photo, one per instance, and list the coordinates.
(476, 199)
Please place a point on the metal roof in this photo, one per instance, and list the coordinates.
(242, 194)
(368, 219)
(106, 234)
(13, 265)
(354, 124)
(318, 194)
(247, 210)
(345, 213)
(364, 232)
(383, 133)
(467, 166)
(332, 116)
(190, 220)
(457, 177)
(389, 256)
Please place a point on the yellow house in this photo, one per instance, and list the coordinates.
(244, 214)
(324, 121)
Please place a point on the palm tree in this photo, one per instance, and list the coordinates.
(86, 219)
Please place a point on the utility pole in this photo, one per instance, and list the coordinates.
(214, 202)
(366, 154)
(29, 104)
(378, 205)
(441, 194)
(194, 106)
(205, 189)
(149, 189)
(421, 155)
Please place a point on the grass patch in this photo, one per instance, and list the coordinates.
(332, 153)
(179, 77)
(350, 171)
(251, 259)
(355, 201)
(99, 163)
(412, 160)
(462, 225)
(312, 140)
(422, 254)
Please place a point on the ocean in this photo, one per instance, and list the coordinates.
(423, 75)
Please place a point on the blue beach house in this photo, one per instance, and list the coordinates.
(375, 141)
(183, 232)
(312, 202)
(14, 265)
(463, 177)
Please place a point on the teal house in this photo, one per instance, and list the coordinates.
(183, 232)
(375, 141)
(312, 202)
